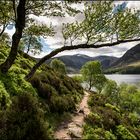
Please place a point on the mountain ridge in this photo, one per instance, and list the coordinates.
(129, 63)
(75, 62)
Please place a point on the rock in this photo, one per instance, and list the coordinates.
(79, 124)
(81, 111)
(75, 132)
(71, 125)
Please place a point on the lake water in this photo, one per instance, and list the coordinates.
(123, 78)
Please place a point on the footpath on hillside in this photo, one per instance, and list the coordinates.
(73, 128)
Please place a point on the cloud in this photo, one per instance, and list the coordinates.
(133, 4)
(57, 41)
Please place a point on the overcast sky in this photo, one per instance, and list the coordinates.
(51, 43)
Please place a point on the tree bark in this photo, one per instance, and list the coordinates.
(90, 85)
(28, 48)
(82, 46)
(20, 24)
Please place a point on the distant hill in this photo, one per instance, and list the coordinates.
(129, 63)
(75, 62)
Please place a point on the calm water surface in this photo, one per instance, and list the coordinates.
(122, 78)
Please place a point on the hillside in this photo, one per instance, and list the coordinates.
(129, 63)
(32, 110)
(75, 62)
(35, 109)
(131, 56)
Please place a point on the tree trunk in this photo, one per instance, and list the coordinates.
(28, 48)
(90, 84)
(20, 24)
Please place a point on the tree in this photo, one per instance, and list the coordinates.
(21, 10)
(20, 24)
(6, 15)
(111, 89)
(101, 28)
(58, 66)
(31, 37)
(71, 31)
(92, 74)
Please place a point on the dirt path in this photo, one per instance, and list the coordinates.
(73, 128)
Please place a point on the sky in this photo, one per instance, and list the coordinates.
(51, 43)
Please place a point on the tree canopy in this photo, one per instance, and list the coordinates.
(58, 66)
(92, 74)
(100, 27)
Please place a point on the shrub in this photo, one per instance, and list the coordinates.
(4, 97)
(97, 100)
(134, 119)
(61, 104)
(109, 136)
(94, 120)
(110, 117)
(24, 120)
(112, 107)
(123, 133)
(98, 133)
(15, 84)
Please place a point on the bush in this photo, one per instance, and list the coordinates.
(15, 84)
(24, 120)
(44, 90)
(61, 104)
(97, 100)
(112, 107)
(110, 118)
(98, 133)
(134, 119)
(94, 120)
(130, 98)
(4, 97)
(123, 133)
